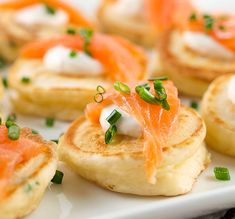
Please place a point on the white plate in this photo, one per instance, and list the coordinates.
(77, 198)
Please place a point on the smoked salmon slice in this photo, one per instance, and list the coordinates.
(157, 123)
(123, 61)
(13, 154)
(74, 15)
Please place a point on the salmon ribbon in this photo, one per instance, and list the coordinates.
(181, 14)
(75, 16)
(156, 122)
(14, 154)
(123, 61)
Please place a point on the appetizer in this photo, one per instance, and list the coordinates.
(24, 20)
(196, 47)
(28, 163)
(218, 110)
(138, 140)
(56, 77)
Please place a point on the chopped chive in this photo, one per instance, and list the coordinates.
(222, 173)
(119, 86)
(5, 82)
(35, 132)
(28, 188)
(2, 63)
(58, 177)
(162, 78)
(221, 27)
(71, 31)
(86, 34)
(25, 80)
(73, 54)
(194, 105)
(55, 140)
(12, 117)
(50, 10)
(50, 122)
(208, 22)
(98, 98)
(109, 134)
(146, 95)
(0, 120)
(14, 132)
(113, 117)
(9, 123)
(100, 89)
(193, 16)
(160, 90)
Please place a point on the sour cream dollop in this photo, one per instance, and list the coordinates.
(205, 45)
(126, 125)
(128, 7)
(38, 15)
(231, 90)
(59, 60)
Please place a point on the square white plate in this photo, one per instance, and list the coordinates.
(77, 198)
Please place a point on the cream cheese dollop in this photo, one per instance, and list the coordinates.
(205, 45)
(128, 7)
(126, 125)
(58, 60)
(38, 15)
(231, 90)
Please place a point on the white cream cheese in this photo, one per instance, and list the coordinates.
(231, 90)
(38, 15)
(205, 45)
(129, 8)
(58, 59)
(126, 125)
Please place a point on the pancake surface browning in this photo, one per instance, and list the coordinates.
(136, 28)
(218, 113)
(120, 166)
(192, 73)
(29, 181)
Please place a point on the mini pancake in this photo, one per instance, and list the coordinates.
(27, 184)
(218, 113)
(119, 166)
(192, 73)
(14, 35)
(39, 97)
(136, 29)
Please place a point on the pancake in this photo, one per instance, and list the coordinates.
(119, 166)
(192, 73)
(218, 113)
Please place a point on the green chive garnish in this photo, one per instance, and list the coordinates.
(72, 54)
(146, 95)
(113, 117)
(50, 10)
(161, 78)
(14, 132)
(160, 90)
(35, 132)
(2, 63)
(50, 122)
(110, 133)
(86, 34)
(193, 17)
(9, 123)
(55, 140)
(194, 105)
(208, 22)
(0, 120)
(100, 89)
(98, 98)
(71, 31)
(25, 80)
(119, 86)
(5, 82)
(11, 117)
(58, 177)
(222, 173)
